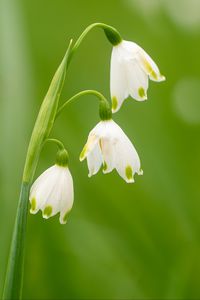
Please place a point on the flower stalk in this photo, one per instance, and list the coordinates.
(14, 276)
(111, 33)
(104, 106)
(41, 131)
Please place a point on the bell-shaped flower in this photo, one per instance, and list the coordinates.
(107, 144)
(131, 67)
(53, 193)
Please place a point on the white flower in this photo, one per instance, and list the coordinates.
(130, 68)
(107, 144)
(52, 192)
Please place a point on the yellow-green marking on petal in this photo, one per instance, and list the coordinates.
(154, 75)
(33, 204)
(114, 103)
(141, 92)
(149, 69)
(140, 172)
(83, 152)
(129, 173)
(105, 166)
(65, 217)
(47, 211)
(91, 140)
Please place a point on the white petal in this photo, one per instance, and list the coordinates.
(94, 160)
(95, 153)
(89, 146)
(134, 51)
(127, 161)
(93, 139)
(67, 196)
(107, 146)
(129, 50)
(118, 80)
(149, 66)
(107, 142)
(52, 204)
(137, 81)
(42, 188)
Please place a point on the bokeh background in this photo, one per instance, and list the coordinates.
(139, 241)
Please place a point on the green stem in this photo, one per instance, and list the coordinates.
(104, 106)
(57, 142)
(14, 278)
(62, 156)
(78, 95)
(112, 34)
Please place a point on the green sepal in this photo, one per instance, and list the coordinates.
(62, 158)
(113, 35)
(105, 111)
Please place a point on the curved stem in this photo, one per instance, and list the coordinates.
(62, 156)
(112, 34)
(80, 94)
(57, 142)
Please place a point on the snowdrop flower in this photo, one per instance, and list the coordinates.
(131, 67)
(52, 192)
(107, 144)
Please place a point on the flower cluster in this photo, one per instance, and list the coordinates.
(107, 144)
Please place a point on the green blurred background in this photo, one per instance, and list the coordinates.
(121, 241)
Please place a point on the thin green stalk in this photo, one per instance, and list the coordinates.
(13, 282)
(78, 95)
(62, 156)
(105, 112)
(57, 142)
(112, 34)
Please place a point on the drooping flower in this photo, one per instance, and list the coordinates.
(131, 67)
(107, 144)
(53, 193)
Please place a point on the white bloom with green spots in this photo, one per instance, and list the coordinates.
(131, 67)
(107, 144)
(53, 193)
